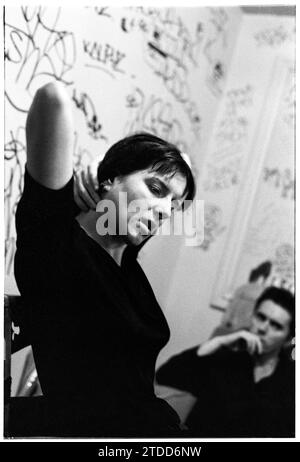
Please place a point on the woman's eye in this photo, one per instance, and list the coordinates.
(155, 189)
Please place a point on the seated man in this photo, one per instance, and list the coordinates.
(244, 381)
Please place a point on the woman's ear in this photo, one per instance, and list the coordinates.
(106, 185)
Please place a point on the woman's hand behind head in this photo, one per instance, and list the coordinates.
(86, 187)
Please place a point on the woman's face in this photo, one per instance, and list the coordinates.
(143, 200)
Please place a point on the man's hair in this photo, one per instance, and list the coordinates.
(145, 151)
(283, 298)
(264, 269)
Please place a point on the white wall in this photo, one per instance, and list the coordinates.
(160, 257)
(262, 41)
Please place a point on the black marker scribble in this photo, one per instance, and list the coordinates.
(100, 68)
(81, 156)
(223, 176)
(284, 264)
(159, 22)
(102, 11)
(169, 51)
(213, 226)
(84, 103)
(225, 167)
(233, 126)
(38, 50)
(153, 115)
(157, 50)
(104, 54)
(14, 155)
(266, 231)
(274, 37)
(282, 180)
(13, 104)
(214, 49)
(289, 100)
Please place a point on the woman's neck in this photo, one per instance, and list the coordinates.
(111, 243)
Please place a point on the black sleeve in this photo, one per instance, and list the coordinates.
(41, 206)
(44, 221)
(187, 371)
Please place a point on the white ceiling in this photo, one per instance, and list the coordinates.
(284, 10)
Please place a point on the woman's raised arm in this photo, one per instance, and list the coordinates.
(49, 135)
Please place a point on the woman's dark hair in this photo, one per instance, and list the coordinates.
(142, 151)
(281, 297)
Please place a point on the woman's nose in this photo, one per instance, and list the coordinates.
(164, 208)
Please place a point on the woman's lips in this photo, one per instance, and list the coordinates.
(148, 228)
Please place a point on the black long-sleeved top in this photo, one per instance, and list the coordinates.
(95, 327)
(229, 402)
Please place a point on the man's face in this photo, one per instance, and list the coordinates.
(271, 323)
(156, 196)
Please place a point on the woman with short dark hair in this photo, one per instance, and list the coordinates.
(95, 325)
